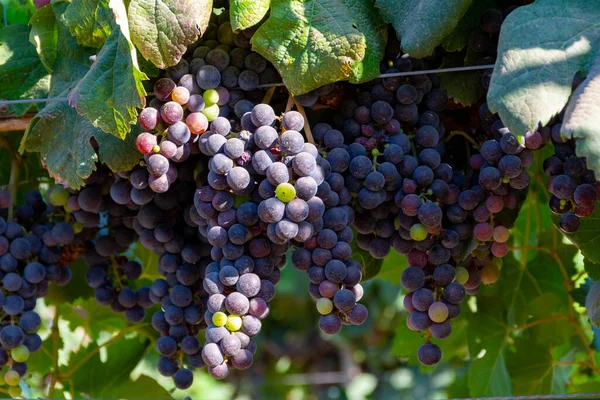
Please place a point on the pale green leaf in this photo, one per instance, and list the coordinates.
(44, 35)
(89, 21)
(247, 13)
(541, 47)
(421, 25)
(582, 118)
(162, 29)
(311, 43)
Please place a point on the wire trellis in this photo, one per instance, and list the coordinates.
(270, 85)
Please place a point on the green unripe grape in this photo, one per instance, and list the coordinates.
(239, 200)
(15, 391)
(12, 378)
(211, 96)
(57, 196)
(219, 318)
(225, 34)
(490, 274)
(438, 312)
(462, 275)
(20, 353)
(77, 227)
(285, 192)
(234, 323)
(324, 306)
(211, 112)
(418, 232)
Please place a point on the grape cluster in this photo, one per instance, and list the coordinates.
(200, 90)
(30, 254)
(574, 188)
(411, 191)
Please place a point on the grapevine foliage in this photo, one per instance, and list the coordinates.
(171, 218)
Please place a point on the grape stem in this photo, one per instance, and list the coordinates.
(290, 103)
(307, 129)
(268, 95)
(15, 168)
(466, 136)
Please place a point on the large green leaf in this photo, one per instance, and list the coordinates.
(44, 35)
(582, 120)
(110, 379)
(311, 42)
(535, 67)
(488, 331)
(421, 25)
(63, 137)
(89, 21)
(162, 29)
(532, 369)
(393, 266)
(247, 13)
(22, 76)
(112, 90)
(369, 22)
(92, 317)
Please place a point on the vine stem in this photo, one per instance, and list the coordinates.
(88, 356)
(307, 130)
(15, 168)
(268, 95)
(536, 322)
(466, 136)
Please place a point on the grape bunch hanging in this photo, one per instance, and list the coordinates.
(230, 188)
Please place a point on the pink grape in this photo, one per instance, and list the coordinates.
(197, 122)
(499, 249)
(483, 231)
(145, 143)
(501, 234)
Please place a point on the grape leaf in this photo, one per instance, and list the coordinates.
(21, 73)
(89, 21)
(76, 289)
(393, 266)
(44, 35)
(581, 118)
(62, 137)
(487, 331)
(587, 239)
(162, 29)
(311, 43)
(92, 317)
(421, 25)
(112, 90)
(368, 21)
(110, 379)
(247, 13)
(464, 87)
(535, 67)
(470, 22)
(531, 368)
